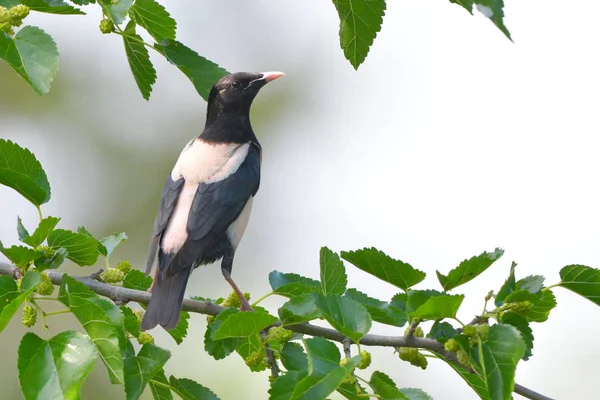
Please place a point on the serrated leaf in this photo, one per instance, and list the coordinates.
(8, 291)
(220, 349)
(584, 281)
(283, 387)
(50, 6)
(28, 285)
(101, 319)
(180, 331)
(299, 309)
(248, 345)
(543, 303)
(381, 311)
(520, 322)
(333, 273)
(384, 267)
(109, 243)
(188, 389)
(360, 21)
(130, 321)
(507, 287)
(21, 230)
(291, 285)
(82, 249)
(243, 324)
(137, 280)
(160, 392)
(532, 283)
(117, 9)
(154, 18)
(473, 380)
(385, 387)
(55, 368)
(412, 300)
(40, 234)
(21, 256)
(439, 307)
(345, 315)
(139, 62)
(33, 54)
(19, 169)
(442, 331)
(293, 357)
(469, 269)
(202, 72)
(352, 391)
(492, 9)
(498, 360)
(140, 368)
(415, 394)
(52, 262)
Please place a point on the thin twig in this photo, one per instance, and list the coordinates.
(270, 357)
(117, 293)
(347, 351)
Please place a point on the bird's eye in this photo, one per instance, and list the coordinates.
(236, 85)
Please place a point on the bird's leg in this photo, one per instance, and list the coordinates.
(226, 266)
(153, 281)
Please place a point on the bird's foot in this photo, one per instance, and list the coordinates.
(245, 306)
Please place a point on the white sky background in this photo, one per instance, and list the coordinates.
(449, 140)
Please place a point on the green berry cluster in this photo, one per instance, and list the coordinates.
(452, 345)
(112, 275)
(279, 334)
(29, 316)
(413, 356)
(521, 307)
(463, 357)
(13, 17)
(233, 300)
(107, 26)
(139, 314)
(365, 360)
(145, 338)
(124, 266)
(417, 333)
(474, 332)
(45, 287)
(19, 281)
(257, 361)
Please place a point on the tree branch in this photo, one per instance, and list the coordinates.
(124, 295)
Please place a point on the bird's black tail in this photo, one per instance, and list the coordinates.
(164, 307)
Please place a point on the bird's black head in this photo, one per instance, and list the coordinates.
(234, 93)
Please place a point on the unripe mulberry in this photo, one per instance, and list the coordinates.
(365, 360)
(145, 338)
(29, 316)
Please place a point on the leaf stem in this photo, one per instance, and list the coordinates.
(459, 321)
(46, 298)
(57, 312)
(39, 210)
(551, 286)
(164, 385)
(262, 298)
(43, 315)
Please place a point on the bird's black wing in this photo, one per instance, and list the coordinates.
(214, 208)
(168, 201)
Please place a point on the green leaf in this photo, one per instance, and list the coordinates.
(414, 299)
(385, 387)
(360, 20)
(141, 368)
(248, 345)
(283, 387)
(415, 394)
(101, 319)
(498, 359)
(381, 311)
(130, 321)
(44, 229)
(384, 267)
(532, 283)
(299, 309)
(82, 249)
(160, 392)
(438, 307)
(469, 269)
(293, 357)
(180, 331)
(520, 322)
(139, 61)
(51, 262)
(442, 331)
(154, 18)
(117, 9)
(291, 285)
(21, 256)
(584, 281)
(220, 349)
(492, 9)
(51, 7)
(202, 72)
(333, 273)
(352, 391)
(55, 368)
(8, 291)
(33, 54)
(137, 280)
(473, 380)
(324, 355)
(507, 288)
(543, 303)
(345, 315)
(109, 243)
(243, 324)
(28, 285)
(19, 169)
(21, 230)
(187, 389)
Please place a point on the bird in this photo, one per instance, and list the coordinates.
(207, 198)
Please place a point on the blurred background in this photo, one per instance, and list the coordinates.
(449, 141)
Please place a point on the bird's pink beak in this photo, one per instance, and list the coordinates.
(271, 75)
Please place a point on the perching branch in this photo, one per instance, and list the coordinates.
(124, 295)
